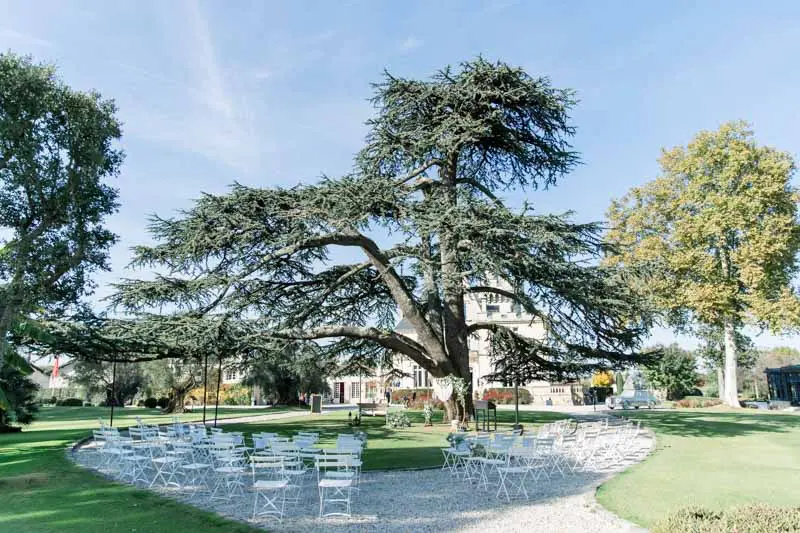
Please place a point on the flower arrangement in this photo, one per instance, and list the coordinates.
(399, 420)
(427, 412)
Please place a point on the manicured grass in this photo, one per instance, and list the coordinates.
(41, 491)
(714, 458)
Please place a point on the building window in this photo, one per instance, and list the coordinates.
(230, 374)
(336, 390)
(355, 390)
(421, 378)
(372, 390)
(492, 309)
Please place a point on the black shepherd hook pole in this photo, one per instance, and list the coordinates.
(113, 388)
(219, 378)
(205, 387)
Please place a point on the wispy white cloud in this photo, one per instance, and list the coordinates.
(410, 43)
(16, 38)
(210, 115)
(263, 73)
(203, 61)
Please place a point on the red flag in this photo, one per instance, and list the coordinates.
(55, 368)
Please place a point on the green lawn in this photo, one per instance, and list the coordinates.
(41, 491)
(712, 458)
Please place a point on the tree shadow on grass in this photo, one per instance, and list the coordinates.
(714, 423)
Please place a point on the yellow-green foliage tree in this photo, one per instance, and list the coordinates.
(718, 233)
(602, 378)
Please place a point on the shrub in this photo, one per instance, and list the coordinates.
(423, 396)
(695, 402)
(151, 403)
(162, 402)
(20, 394)
(87, 404)
(505, 395)
(140, 403)
(70, 402)
(751, 518)
(234, 394)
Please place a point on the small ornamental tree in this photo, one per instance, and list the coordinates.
(602, 378)
(422, 216)
(719, 232)
(675, 372)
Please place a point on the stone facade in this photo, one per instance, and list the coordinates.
(485, 307)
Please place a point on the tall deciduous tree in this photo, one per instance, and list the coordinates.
(57, 151)
(719, 228)
(422, 212)
(712, 352)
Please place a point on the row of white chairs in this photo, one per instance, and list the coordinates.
(510, 461)
(196, 459)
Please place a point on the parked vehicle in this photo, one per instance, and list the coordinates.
(635, 399)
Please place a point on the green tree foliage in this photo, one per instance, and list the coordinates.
(284, 375)
(173, 378)
(56, 154)
(20, 397)
(422, 213)
(718, 231)
(675, 372)
(118, 386)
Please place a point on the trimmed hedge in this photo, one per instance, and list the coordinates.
(163, 402)
(695, 402)
(505, 395)
(750, 518)
(70, 402)
(150, 403)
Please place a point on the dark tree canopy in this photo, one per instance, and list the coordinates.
(422, 212)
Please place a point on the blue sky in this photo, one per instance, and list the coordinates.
(271, 93)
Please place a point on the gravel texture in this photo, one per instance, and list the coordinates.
(436, 501)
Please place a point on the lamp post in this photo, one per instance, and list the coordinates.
(205, 387)
(113, 388)
(219, 379)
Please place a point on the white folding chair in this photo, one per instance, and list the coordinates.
(268, 488)
(335, 484)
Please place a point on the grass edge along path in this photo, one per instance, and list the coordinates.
(715, 458)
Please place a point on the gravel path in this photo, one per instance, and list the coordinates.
(435, 501)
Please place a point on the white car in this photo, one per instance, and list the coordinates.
(635, 399)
